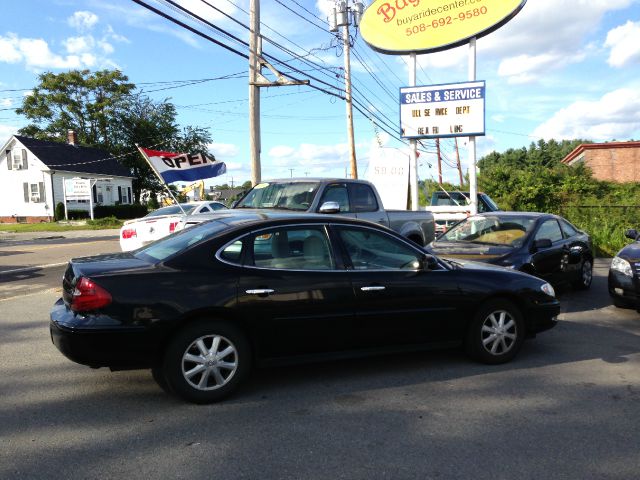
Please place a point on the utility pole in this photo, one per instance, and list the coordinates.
(343, 16)
(257, 80)
(255, 67)
(439, 161)
(458, 160)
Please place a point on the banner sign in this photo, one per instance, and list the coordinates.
(426, 26)
(77, 188)
(175, 167)
(389, 172)
(452, 110)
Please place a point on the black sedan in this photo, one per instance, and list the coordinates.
(202, 306)
(624, 274)
(541, 244)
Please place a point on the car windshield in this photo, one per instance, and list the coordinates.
(165, 247)
(491, 229)
(281, 195)
(172, 210)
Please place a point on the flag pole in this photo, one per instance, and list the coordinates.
(144, 155)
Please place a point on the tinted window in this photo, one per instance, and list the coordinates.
(371, 250)
(568, 229)
(336, 193)
(549, 229)
(216, 206)
(363, 198)
(168, 246)
(232, 253)
(172, 210)
(292, 248)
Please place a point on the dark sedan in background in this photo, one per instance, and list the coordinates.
(202, 306)
(541, 244)
(624, 274)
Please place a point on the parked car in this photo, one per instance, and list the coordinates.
(449, 207)
(624, 273)
(202, 306)
(160, 223)
(337, 196)
(544, 245)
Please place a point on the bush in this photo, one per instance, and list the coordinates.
(77, 214)
(120, 211)
(105, 222)
(59, 213)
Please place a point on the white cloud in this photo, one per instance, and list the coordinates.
(614, 116)
(624, 42)
(6, 102)
(6, 131)
(525, 68)
(9, 52)
(83, 20)
(222, 151)
(79, 44)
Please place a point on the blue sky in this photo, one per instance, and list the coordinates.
(561, 69)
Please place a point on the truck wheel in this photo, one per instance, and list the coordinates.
(496, 332)
(206, 361)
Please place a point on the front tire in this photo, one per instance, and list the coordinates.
(583, 282)
(206, 361)
(496, 334)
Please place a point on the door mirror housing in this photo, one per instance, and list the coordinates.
(330, 207)
(541, 244)
(632, 233)
(429, 262)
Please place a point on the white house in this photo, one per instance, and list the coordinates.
(32, 174)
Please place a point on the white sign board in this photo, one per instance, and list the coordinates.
(436, 111)
(77, 188)
(389, 172)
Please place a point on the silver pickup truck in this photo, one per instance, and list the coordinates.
(346, 197)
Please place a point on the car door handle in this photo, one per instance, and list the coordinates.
(375, 288)
(260, 291)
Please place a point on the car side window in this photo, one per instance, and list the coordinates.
(549, 229)
(568, 229)
(336, 193)
(363, 198)
(371, 250)
(205, 209)
(291, 248)
(216, 206)
(232, 253)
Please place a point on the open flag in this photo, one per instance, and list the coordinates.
(174, 167)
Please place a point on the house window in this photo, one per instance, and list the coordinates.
(19, 159)
(34, 192)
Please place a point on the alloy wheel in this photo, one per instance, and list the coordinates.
(209, 362)
(499, 332)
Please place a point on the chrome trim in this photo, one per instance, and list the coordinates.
(260, 291)
(373, 288)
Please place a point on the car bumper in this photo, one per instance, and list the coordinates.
(82, 341)
(542, 317)
(624, 289)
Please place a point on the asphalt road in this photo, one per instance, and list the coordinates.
(568, 407)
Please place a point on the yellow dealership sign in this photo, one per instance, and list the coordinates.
(424, 26)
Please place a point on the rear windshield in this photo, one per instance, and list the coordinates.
(171, 210)
(491, 229)
(166, 247)
(282, 195)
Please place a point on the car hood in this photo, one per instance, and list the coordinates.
(470, 251)
(631, 252)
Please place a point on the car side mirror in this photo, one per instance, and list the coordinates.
(330, 207)
(632, 233)
(541, 244)
(429, 262)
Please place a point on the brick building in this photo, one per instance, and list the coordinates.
(614, 161)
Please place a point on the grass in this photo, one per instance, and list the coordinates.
(101, 224)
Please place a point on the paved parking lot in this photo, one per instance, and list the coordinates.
(567, 407)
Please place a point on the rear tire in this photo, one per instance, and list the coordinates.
(206, 361)
(496, 333)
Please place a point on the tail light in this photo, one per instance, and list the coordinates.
(172, 227)
(87, 296)
(129, 233)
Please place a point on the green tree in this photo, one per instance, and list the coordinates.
(78, 100)
(106, 111)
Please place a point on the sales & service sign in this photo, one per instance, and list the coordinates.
(435, 111)
(424, 26)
